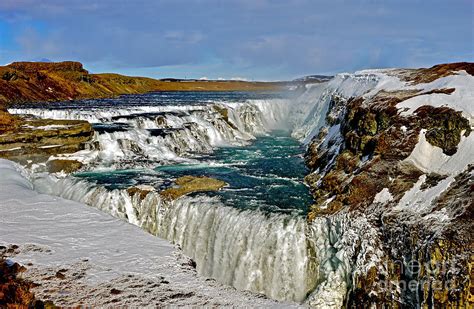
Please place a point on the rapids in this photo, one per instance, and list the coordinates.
(253, 234)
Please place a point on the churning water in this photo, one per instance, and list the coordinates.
(252, 234)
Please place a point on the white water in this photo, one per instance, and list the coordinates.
(186, 129)
(250, 250)
(98, 252)
(280, 256)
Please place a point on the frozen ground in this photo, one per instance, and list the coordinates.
(80, 255)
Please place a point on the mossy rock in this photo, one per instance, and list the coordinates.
(383, 121)
(368, 144)
(367, 124)
(190, 184)
(353, 142)
(445, 139)
(444, 127)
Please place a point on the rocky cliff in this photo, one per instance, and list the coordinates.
(29, 140)
(394, 148)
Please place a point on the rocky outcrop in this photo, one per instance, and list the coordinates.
(372, 147)
(359, 167)
(141, 191)
(427, 75)
(190, 184)
(37, 81)
(7, 122)
(35, 140)
(16, 292)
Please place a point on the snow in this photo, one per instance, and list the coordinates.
(11, 149)
(419, 201)
(461, 99)
(383, 196)
(48, 127)
(431, 159)
(50, 146)
(52, 232)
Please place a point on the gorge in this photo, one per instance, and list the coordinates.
(355, 192)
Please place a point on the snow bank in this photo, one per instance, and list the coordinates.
(460, 100)
(431, 159)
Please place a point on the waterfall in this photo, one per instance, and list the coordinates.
(127, 135)
(261, 252)
(249, 250)
(281, 256)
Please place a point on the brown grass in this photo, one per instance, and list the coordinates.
(427, 75)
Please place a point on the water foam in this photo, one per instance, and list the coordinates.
(250, 250)
(169, 133)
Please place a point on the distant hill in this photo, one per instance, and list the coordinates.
(57, 81)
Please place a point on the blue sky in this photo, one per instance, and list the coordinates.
(252, 39)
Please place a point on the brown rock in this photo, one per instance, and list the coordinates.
(67, 166)
(189, 184)
(38, 139)
(14, 291)
(142, 191)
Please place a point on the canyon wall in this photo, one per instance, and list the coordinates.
(395, 148)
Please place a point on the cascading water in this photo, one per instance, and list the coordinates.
(168, 132)
(251, 250)
(257, 247)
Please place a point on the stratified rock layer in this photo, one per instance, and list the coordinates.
(35, 140)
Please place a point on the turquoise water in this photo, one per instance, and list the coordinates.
(266, 175)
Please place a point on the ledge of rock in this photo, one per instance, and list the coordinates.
(35, 140)
(190, 184)
(141, 190)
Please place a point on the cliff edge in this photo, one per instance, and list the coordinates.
(391, 155)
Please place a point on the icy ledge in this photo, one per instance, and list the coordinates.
(80, 255)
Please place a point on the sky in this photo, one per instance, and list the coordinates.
(246, 39)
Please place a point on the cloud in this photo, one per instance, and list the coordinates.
(258, 39)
